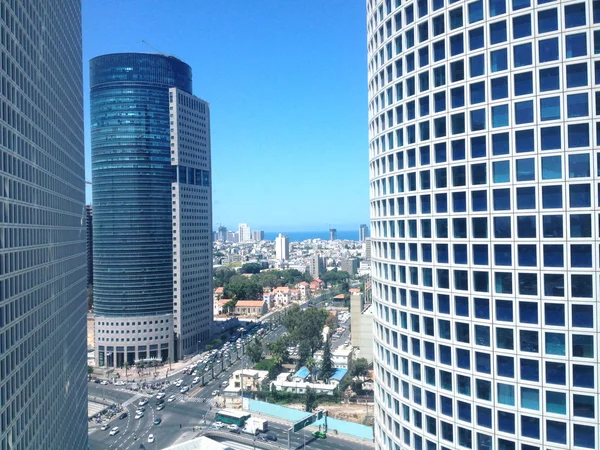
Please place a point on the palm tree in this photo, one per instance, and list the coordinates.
(310, 364)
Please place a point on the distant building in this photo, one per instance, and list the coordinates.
(250, 308)
(282, 247)
(222, 234)
(356, 308)
(332, 234)
(363, 232)
(367, 249)
(244, 232)
(317, 265)
(90, 244)
(258, 235)
(350, 265)
(233, 237)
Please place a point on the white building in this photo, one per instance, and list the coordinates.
(244, 233)
(483, 142)
(282, 247)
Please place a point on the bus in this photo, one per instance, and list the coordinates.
(232, 416)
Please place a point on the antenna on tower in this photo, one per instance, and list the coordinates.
(154, 48)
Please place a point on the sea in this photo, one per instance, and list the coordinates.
(297, 236)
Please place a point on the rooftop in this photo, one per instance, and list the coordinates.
(303, 372)
(339, 374)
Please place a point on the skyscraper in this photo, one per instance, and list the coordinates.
(484, 223)
(363, 233)
(332, 234)
(244, 232)
(151, 171)
(282, 247)
(43, 387)
(258, 235)
(317, 265)
(89, 224)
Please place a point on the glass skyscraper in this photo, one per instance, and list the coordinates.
(43, 374)
(150, 144)
(485, 212)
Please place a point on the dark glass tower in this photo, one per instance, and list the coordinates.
(136, 102)
(43, 387)
(132, 174)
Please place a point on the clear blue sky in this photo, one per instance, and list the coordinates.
(287, 84)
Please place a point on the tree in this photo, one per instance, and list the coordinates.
(335, 277)
(310, 400)
(240, 287)
(326, 365)
(303, 353)
(255, 350)
(222, 276)
(251, 268)
(229, 306)
(310, 364)
(90, 370)
(278, 350)
(360, 367)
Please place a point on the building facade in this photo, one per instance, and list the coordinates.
(258, 235)
(43, 374)
(350, 265)
(244, 234)
(363, 233)
(282, 247)
(152, 209)
(483, 178)
(332, 234)
(317, 265)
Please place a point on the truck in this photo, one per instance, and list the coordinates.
(255, 426)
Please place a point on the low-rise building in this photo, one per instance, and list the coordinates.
(304, 289)
(341, 358)
(252, 379)
(282, 295)
(255, 308)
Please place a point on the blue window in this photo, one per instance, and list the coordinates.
(581, 255)
(583, 406)
(501, 199)
(551, 168)
(550, 108)
(479, 228)
(499, 116)
(556, 373)
(553, 255)
(526, 169)
(499, 60)
(578, 135)
(528, 312)
(551, 138)
(478, 120)
(581, 286)
(530, 427)
(556, 431)
(523, 83)
(579, 196)
(498, 32)
(456, 45)
(475, 11)
(506, 422)
(522, 55)
(521, 26)
(500, 143)
(484, 417)
(552, 198)
(502, 227)
(583, 376)
(524, 138)
(477, 65)
(575, 15)
(549, 79)
(526, 198)
(584, 436)
(458, 150)
(476, 38)
(581, 225)
(555, 344)
(582, 316)
(478, 147)
(548, 50)
(477, 92)
(524, 112)
(577, 105)
(577, 75)
(497, 7)
(457, 96)
(554, 314)
(439, 76)
(547, 20)
(579, 165)
(479, 199)
(576, 45)
(506, 394)
(499, 88)
(501, 171)
(520, 4)
(526, 226)
(530, 398)
(457, 71)
(502, 255)
(439, 50)
(456, 18)
(556, 402)
(530, 370)
(554, 285)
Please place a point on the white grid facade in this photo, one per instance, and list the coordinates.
(485, 222)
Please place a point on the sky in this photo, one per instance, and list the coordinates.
(287, 85)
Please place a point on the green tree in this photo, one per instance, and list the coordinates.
(303, 353)
(278, 350)
(255, 350)
(222, 276)
(326, 365)
(310, 402)
(240, 287)
(310, 364)
(360, 367)
(336, 278)
(229, 306)
(251, 268)
(90, 370)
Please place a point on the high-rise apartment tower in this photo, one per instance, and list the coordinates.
(484, 206)
(282, 247)
(244, 232)
(363, 233)
(43, 374)
(151, 170)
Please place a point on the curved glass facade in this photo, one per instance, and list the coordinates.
(132, 175)
(484, 175)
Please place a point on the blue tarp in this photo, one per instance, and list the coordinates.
(303, 372)
(339, 374)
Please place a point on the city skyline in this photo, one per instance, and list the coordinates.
(261, 127)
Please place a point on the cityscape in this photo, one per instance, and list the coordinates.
(254, 240)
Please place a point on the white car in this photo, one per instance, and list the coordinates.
(219, 425)
(216, 392)
(196, 380)
(159, 407)
(150, 438)
(171, 398)
(160, 395)
(104, 382)
(139, 415)
(184, 389)
(114, 431)
(233, 426)
(179, 383)
(120, 383)
(105, 427)
(143, 402)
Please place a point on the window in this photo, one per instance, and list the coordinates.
(575, 45)
(577, 75)
(575, 15)
(577, 105)
(522, 55)
(549, 79)
(551, 168)
(477, 65)
(548, 50)
(521, 26)
(475, 11)
(499, 60)
(476, 38)
(578, 135)
(547, 20)
(499, 116)
(550, 108)
(579, 165)
(525, 169)
(524, 112)
(523, 83)
(497, 7)
(551, 138)
(498, 32)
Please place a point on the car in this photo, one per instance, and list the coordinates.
(120, 383)
(143, 402)
(215, 392)
(160, 407)
(157, 421)
(171, 398)
(235, 430)
(123, 416)
(184, 389)
(150, 438)
(104, 382)
(179, 383)
(160, 395)
(233, 426)
(218, 425)
(139, 415)
(160, 402)
(140, 409)
(196, 380)
(114, 431)
(105, 427)
(271, 437)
